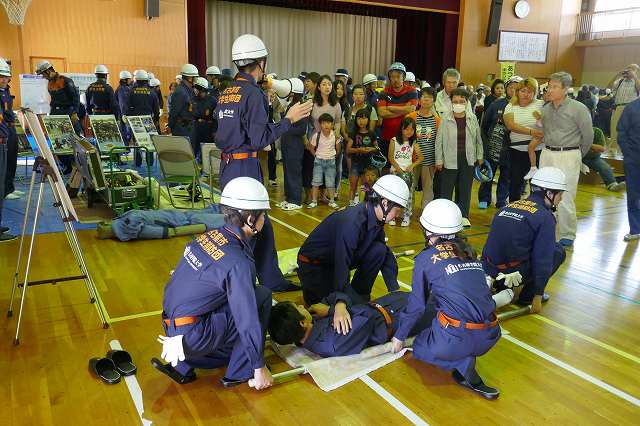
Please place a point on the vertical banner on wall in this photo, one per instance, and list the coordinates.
(507, 70)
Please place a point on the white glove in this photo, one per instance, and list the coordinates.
(172, 350)
(513, 279)
(584, 169)
(532, 171)
(490, 280)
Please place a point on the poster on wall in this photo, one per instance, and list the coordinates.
(81, 80)
(60, 132)
(520, 46)
(142, 128)
(106, 131)
(507, 70)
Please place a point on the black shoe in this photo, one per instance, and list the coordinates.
(287, 285)
(545, 299)
(229, 383)
(168, 370)
(3, 229)
(4, 237)
(480, 388)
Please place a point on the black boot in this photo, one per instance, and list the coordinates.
(477, 386)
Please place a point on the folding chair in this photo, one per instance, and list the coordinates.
(211, 164)
(177, 166)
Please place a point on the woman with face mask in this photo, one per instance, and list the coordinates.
(458, 149)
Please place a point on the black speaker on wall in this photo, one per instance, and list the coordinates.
(493, 29)
(152, 8)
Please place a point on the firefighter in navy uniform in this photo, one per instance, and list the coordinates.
(521, 247)
(213, 313)
(101, 99)
(205, 123)
(122, 94)
(142, 101)
(181, 112)
(10, 191)
(213, 77)
(353, 239)
(154, 83)
(243, 130)
(448, 275)
(7, 129)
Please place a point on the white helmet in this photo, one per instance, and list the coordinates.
(550, 178)
(201, 82)
(442, 217)
(43, 66)
(297, 86)
(245, 193)
(248, 48)
(369, 78)
(189, 70)
(425, 84)
(213, 70)
(154, 82)
(393, 188)
(178, 76)
(101, 69)
(141, 75)
(514, 79)
(410, 77)
(5, 70)
(151, 75)
(125, 75)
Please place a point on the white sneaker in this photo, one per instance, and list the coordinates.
(273, 183)
(631, 237)
(353, 203)
(291, 206)
(312, 205)
(333, 204)
(12, 196)
(19, 193)
(405, 222)
(465, 222)
(356, 199)
(392, 223)
(616, 186)
(282, 204)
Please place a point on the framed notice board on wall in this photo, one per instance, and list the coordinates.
(519, 46)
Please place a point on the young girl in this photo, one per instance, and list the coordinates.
(325, 147)
(405, 155)
(360, 144)
(341, 96)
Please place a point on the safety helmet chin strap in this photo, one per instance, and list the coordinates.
(553, 207)
(428, 236)
(387, 210)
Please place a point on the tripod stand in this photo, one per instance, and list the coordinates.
(47, 174)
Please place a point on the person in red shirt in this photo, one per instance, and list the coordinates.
(396, 101)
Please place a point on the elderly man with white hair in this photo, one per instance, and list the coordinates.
(626, 88)
(568, 136)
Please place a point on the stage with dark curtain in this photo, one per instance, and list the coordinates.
(426, 41)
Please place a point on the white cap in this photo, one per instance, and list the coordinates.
(550, 178)
(369, 78)
(425, 84)
(189, 70)
(297, 86)
(5, 70)
(101, 69)
(125, 74)
(515, 79)
(154, 82)
(43, 66)
(213, 70)
(442, 217)
(141, 75)
(410, 77)
(393, 188)
(201, 82)
(245, 193)
(247, 49)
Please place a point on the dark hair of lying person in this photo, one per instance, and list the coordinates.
(284, 324)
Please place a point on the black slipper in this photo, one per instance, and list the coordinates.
(168, 370)
(105, 369)
(123, 362)
(229, 383)
(545, 299)
(480, 388)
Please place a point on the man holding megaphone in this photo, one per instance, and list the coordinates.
(244, 129)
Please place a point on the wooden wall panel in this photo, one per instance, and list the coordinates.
(88, 32)
(556, 17)
(601, 63)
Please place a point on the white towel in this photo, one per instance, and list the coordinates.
(331, 373)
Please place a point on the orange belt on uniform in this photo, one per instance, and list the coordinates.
(239, 156)
(177, 322)
(387, 318)
(447, 321)
(505, 266)
(304, 259)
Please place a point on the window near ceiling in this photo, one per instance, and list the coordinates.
(616, 15)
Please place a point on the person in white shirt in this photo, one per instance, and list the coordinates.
(450, 81)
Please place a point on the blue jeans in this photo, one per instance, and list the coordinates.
(324, 169)
(632, 173)
(3, 170)
(602, 167)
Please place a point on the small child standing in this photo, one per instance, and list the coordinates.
(405, 155)
(324, 146)
(361, 143)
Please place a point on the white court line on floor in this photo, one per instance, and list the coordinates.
(393, 401)
(134, 388)
(607, 387)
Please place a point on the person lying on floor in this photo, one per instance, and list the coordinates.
(353, 239)
(213, 313)
(337, 327)
(448, 273)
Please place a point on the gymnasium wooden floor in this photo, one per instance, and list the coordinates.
(577, 363)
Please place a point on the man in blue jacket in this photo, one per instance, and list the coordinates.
(629, 141)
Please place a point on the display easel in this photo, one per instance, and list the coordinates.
(48, 175)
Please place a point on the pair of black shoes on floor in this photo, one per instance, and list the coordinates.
(479, 387)
(110, 369)
(183, 379)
